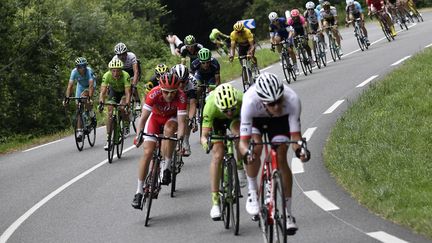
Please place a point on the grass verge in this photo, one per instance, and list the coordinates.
(379, 149)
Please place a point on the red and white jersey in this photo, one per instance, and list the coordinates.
(156, 103)
(252, 107)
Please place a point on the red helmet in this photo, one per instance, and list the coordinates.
(295, 13)
(169, 81)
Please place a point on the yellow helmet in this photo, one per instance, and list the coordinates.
(239, 26)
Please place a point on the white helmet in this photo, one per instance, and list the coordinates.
(120, 48)
(268, 87)
(272, 16)
(181, 71)
(310, 5)
(349, 2)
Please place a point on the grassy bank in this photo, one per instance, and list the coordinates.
(379, 149)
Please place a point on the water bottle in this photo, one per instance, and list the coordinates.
(267, 199)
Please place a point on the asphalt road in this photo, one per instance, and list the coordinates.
(54, 193)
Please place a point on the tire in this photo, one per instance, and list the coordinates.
(235, 193)
(120, 139)
(91, 136)
(317, 59)
(174, 172)
(279, 209)
(285, 66)
(135, 115)
(226, 187)
(308, 64)
(360, 39)
(267, 228)
(111, 142)
(246, 78)
(302, 59)
(153, 187)
(332, 46)
(79, 144)
(323, 56)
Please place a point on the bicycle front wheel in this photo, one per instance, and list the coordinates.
(322, 53)
(359, 38)
(152, 181)
(120, 138)
(174, 171)
(91, 136)
(78, 132)
(302, 59)
(265, 212)
(246, 78)
(316, 54)
(285, 66)
(333, 47)
(226, 193)
(235, 197)
(279, 213)
(111, 141)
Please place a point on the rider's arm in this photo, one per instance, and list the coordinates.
(91, 88)
(128, 94)
(143, 120)
(69, 88)
(136, 73)
(103, 92)
(192, 108)
(181, 125)
(233, 44)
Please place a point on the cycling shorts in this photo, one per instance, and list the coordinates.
(220, 126)
(276, 126)
(115, 96)
(154, 125)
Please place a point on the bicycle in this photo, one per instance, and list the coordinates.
(286, 62)
(82, 120)
(117, 132)
(152, 183)
(358, 33)
(204, 89)
(414, 12)
(229, 189)
(272, 216)
(303, 57)
(249, 71)
(334, 48)
(380, 15)
(134, 113)
(319, 50)
(398, 16)
(222, 48)
(176, 165)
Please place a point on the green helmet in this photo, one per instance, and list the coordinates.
(115, 64)
(189, 40)
(225, 97)
(204, 55)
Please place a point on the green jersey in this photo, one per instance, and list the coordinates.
(117, 85)
(215, 34)
(211, 112)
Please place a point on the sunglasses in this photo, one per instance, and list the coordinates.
(229, 110)
(81, 66)
(277, 102)
(205, 62)
(169, 91)
(310, 9)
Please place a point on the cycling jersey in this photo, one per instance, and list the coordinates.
(156, 103)
(312, 18)
(376, 4)
(279, 29)
(214, 35)
(190, 87)
(118, 85)
(211, 112)
(318, 7)
(354, 9)
(330, 15)
(253, 108)
(242, 38)
(129, 62)
(154, 80)
(82, 81)
(205, 75)
(297, 25)
(184, 52)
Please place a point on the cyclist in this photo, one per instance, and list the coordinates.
(160, 70)
(312, 16)
(328, 16)
(189, 86)
(319, 6)
(190, 49)
(353, 11)
(86, 85)
(221, 111)
(165, 106)
(115, 82)
(280, 30)
(378, 7)
(175, 44)
(299, 25)
(132, 66)
(244, 38)
(219, 39)
(270, 102)
(205, 68)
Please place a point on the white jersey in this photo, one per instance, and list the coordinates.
(253, 107)
(130, 60)
(328, 15)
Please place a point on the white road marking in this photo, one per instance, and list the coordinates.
(333, 107)
(401, 60)
(14, 226)
(366, 81)
(428, 45)
(43, 145)
(296, 166)
(308, 133)
(320, 200)
(384, 237)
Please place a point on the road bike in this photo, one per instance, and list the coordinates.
(414, 11)
(286, 62)
(334, 48)
(203, 90)
(303, 58)
(152, 183)
(116, 134)
(250, 71)
(272, 215)
(229, 186)
(83, 124)
(222, 48)
(319, 49)
(358, 33)
(134, 113)
(176, 165)
(382, 19)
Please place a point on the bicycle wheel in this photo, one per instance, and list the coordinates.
(91, 135)
(279, 213)
(111, 141)
(285, 66)
(152, 181)
(308, 63)
(176, 160)
(359, 38)
(386, 31)
(246, 77)
(266, 226)
(120, 138)
(225, 194)
(317, 59)
(302, 60)
(322, 53)
(79, 141)
(332, 45)
(235, 197)
(200, 114)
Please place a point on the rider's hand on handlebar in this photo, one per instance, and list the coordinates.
(65, 101)
(193, 124)
(231, 58)
(304, 157)
(205, 146)
(100, 106)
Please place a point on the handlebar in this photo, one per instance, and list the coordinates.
(226, 137)
(302, 150)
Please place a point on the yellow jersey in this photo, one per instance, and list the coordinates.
(243, 37)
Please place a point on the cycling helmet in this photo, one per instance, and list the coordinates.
(239, 26)
(225, 97)
(189, 40)
(160, 69)
(295, 13)
(204, 55)
(181, 71)
(116, 63)
(310, 5)
(326, 5)
(349, 2)
(169, 81)
(215, 30)
(321, 1)
(80, 61)
(120, 48)
(268, 87)
(272, 16)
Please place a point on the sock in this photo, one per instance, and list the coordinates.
(140, 186)
(288, 205)
(252, 183)
(166, 165)
(215, 198)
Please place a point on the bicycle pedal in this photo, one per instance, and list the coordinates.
(255, 218)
